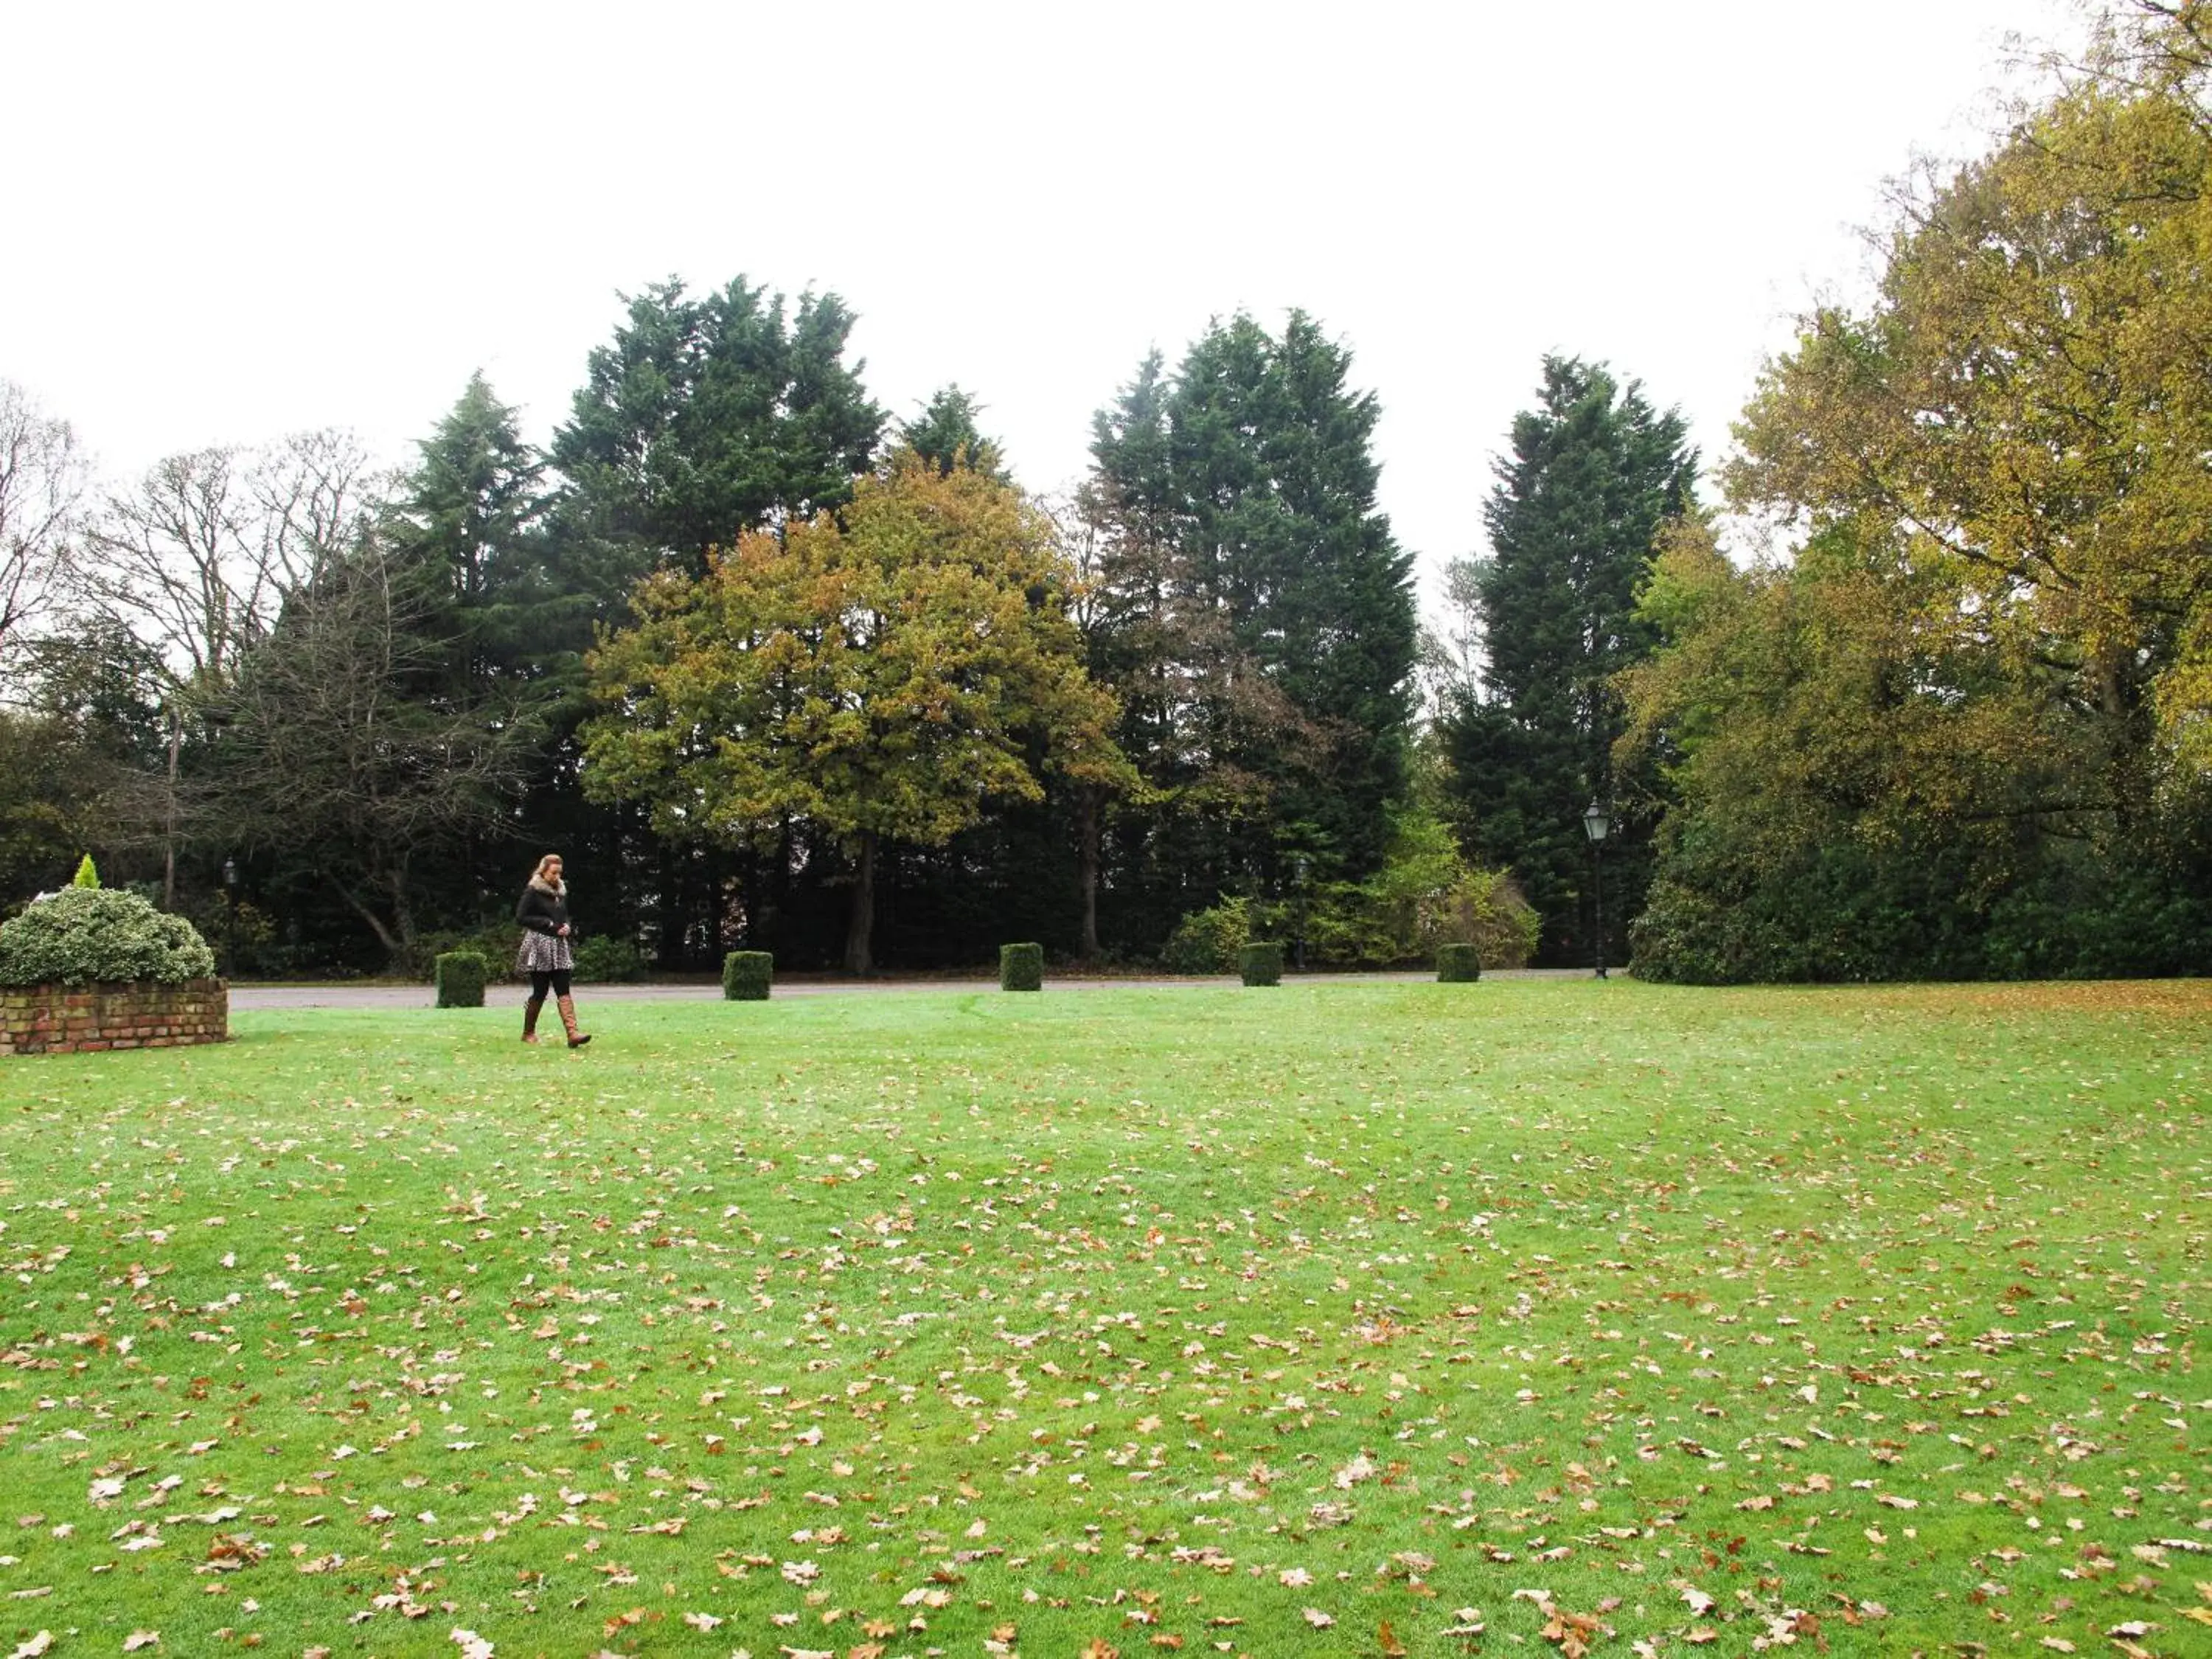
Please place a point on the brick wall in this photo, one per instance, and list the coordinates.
(62, 1020)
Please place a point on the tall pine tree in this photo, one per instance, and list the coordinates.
(471, 516)
(1255, 614)
(472, 508)
(1591, 473)
(708, 417)
(947, 435)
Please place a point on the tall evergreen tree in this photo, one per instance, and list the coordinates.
(1591, 473)
(708, 417)
(470, 517)
(1254, 611)
(947, 433)
(472, 508)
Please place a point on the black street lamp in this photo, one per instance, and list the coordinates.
(1595, 822)
(230, 919)
(1299, 865)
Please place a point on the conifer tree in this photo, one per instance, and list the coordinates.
(1591, 473)
(473, 508)
(708, 417)
(470, 518)
(1254, 612)
(947, 435)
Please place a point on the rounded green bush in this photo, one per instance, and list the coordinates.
(604, 961)
(1261, 963)
(1207, 941)
(1457, 965)
(1021, 966)
(746, 975)
(100, 935)
(461, 975)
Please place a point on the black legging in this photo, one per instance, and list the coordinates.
(556, 981)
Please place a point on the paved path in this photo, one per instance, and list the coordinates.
(259, 997)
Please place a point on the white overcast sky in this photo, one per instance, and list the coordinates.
(229, 222)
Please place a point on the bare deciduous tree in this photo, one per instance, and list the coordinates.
(197, 557)
(42, 480)
(330, 739)
(195, 562)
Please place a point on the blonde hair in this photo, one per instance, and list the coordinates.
(538, 874)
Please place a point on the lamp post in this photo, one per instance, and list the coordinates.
(1299, 865)
(230, 919)
(1595, 822)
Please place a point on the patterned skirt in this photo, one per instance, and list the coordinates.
(542, 953)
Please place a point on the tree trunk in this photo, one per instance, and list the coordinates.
(668, 908)
(403, 912)
(863, 921)
(385, 936)
(1087, 816)
(779, 891)
(169, 826)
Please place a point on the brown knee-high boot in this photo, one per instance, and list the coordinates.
(530, 1019)
(576, 1039)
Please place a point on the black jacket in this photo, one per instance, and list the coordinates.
(542, 910)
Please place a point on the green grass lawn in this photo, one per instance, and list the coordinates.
(1324, 1319)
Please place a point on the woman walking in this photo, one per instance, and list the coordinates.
(545, 957)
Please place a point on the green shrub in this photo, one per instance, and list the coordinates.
(1425, 894)
(1458, 964)
(1260, 962)
(494, 941)
(94, 935)
(610, 962)
(461, 975)
(88, 873)
(1021, 966)
(1207, 941)
(746, 975)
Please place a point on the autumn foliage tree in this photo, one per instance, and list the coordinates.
(884, 674)
(1965, 730)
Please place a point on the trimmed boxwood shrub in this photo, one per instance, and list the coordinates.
(1021, 966)
(1260, 962)
(1458, 963)
(746, 975)
(101, 935)
(461, 975)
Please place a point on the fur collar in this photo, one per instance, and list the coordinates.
(556, 889)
